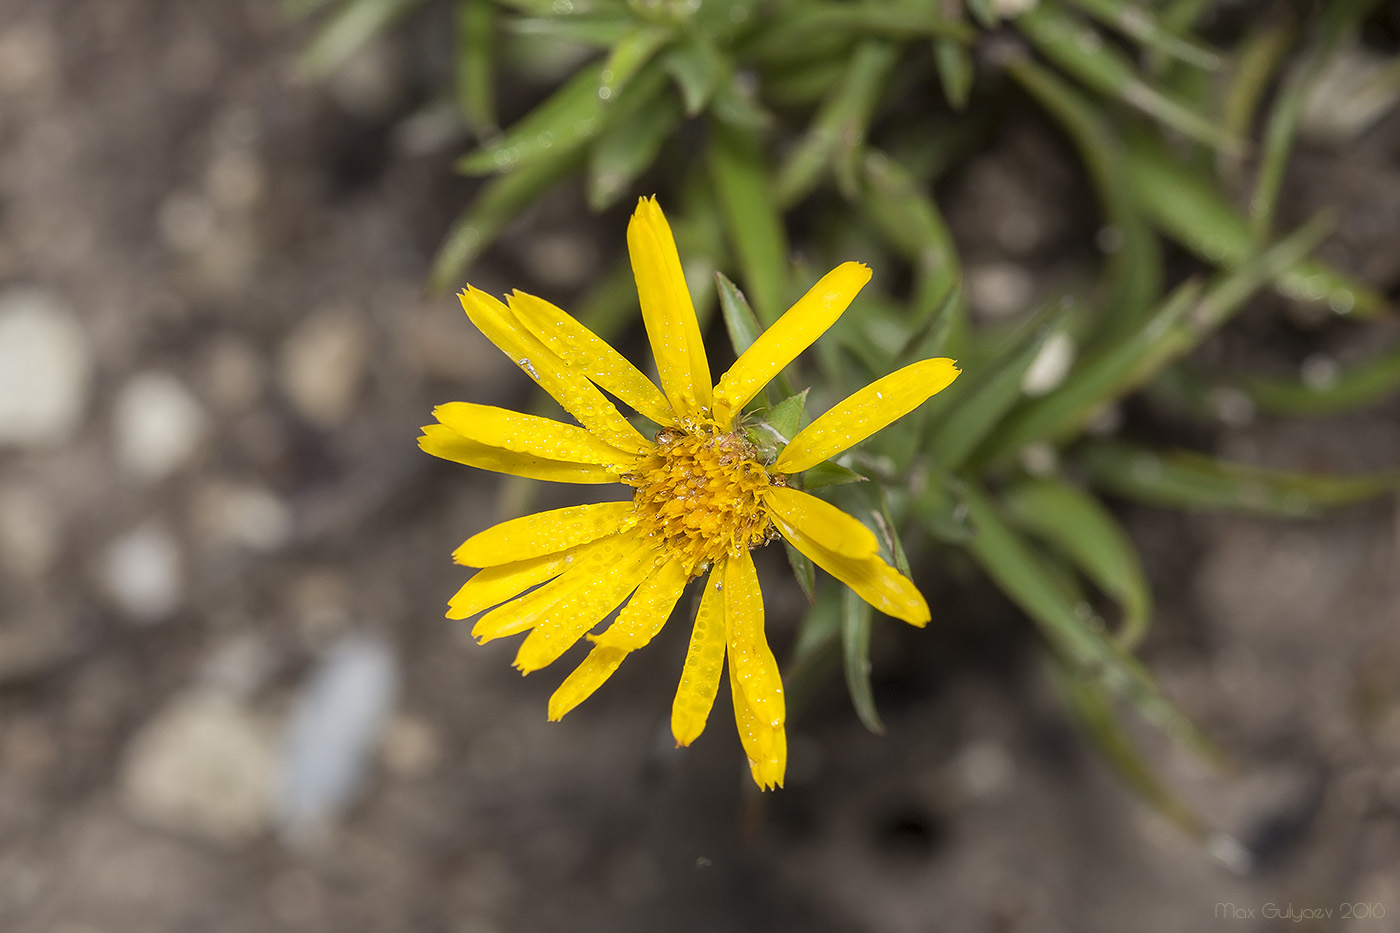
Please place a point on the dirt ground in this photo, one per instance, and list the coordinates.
(187, 229)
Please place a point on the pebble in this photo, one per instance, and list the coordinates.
(333, 729)
(1050, 365)
(158, 425)
(998, 290)
(143, 574)
(30, 537)
(204, 766)
(242, 515)
(233, 374)
(45, 369)
(411, 747)
(322, 363)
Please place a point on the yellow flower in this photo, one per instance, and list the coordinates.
(703, 498)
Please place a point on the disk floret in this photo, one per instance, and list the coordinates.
(700, 492)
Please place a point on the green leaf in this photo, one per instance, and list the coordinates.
(1181, 479)
(1341, 389)
(627, 57)
(602, 30)
(939, 507)
(985, 12)
(1080, 50)
(934, 326)
(347, 30)
(572, 117)
(1256, 62)
(978, 401)
(817, 650)
(837, 132)
(1078, 526)
(1022, 575)
(913, 226)
(628, 148)
(828, 473)
(856, 618)
(1134, 270)
(1136, 358)
(1187, 208)
(495, 206)
(697, 68)
(1093, 711)
(476, 64)
(804, 570)
(811, 21)
(771, 429)
(955, 71)
(739, 319)
(743, 183)
(1137, 22)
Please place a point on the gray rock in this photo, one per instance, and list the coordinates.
(143, 573)
(204, 766)
(45, 369)
(334, 727)
(322, 364)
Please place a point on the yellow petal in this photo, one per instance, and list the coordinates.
(821, 521)
(585, 680)
(570, 389)
(874, 581)
(497, 584)
(441, 441)
(704, 660)
(865, 412)
(588, 603)
(529, 434)
(751, 661)
(668, 312)
(544, 533)
(792, 333)
(638, 622)
(585, 352)
(764, 744)
(591, 563)
(648, 609)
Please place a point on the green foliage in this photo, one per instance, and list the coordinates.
(788, 123)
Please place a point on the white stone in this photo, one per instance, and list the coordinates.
(1050, 365)
(333, 729)
(45, 369)
(322, 364)
(998, 290)
(158, 425)
(204, 766)
(142, 572)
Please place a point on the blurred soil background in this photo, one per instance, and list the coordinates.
(229, 701)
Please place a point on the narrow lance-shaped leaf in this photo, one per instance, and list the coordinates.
(856, 618)
(813, 20)
(980, 401)
(1134, 268)
(697, 67)
(570, 118)
(628, 148)
(743, 183)
(953, 61)
(1135, 359)
(1137, 21)
(1019, 572)
(1080, 50)
(347, 30)
(1078, 525)
(1188, 209)
(496, 205)
(914, 227)
(838, 129)
(476, 64)
(1093, 710)
(1181, 479)
(1334, 388)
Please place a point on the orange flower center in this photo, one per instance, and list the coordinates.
(700, 493)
